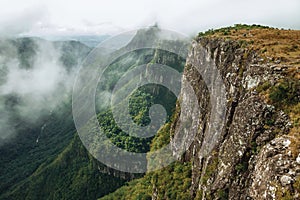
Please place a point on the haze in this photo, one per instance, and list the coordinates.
(56, 17)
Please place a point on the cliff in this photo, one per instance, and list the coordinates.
(246, 125)
(256, 154)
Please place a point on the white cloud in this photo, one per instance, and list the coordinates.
(38, 89)
(13, 22)
(112, 16)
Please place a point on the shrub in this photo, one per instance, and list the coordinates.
(286, 92)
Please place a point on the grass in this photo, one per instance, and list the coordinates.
(285, 194)
(285, 95)
(274, 45)
(294, 115)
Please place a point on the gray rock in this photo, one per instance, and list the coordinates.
(286, 180)
(251, 162)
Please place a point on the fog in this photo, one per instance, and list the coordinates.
(42, 79)
(33, 92)
(45, 85)
(14, 22)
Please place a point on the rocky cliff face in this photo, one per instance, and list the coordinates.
(249, 154)
(238, 115)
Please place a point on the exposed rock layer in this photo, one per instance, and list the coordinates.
(251, 157)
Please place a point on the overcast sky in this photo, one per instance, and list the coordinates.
(65, 17)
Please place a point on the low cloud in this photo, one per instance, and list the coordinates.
(15, 22)
(31, 92)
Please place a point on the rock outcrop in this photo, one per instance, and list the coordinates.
(249, 156)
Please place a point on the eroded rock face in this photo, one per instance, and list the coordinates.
(249, 157)
(275, 169)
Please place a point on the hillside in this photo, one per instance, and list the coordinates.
(63, 168)
(244, 128)
(42, 157)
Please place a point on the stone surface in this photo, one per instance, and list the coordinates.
(252, 149)
(298, 159)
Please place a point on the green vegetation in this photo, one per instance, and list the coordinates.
(285, 95)
(227, 30)
(74, 174)
(162, 137)
(44, 160)
(286, 194)
(59, 167)
(35, 143)
(72, 53)
(222, 194)
(211, 167)
(172, 182)
(241, 167)
(27, 49)
(21, 157)
(139, 105)
(53, 164)
(263, 87)
(140, 100)
(286, 92)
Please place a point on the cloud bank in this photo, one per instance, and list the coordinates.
(110, 17)
(29, 93)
